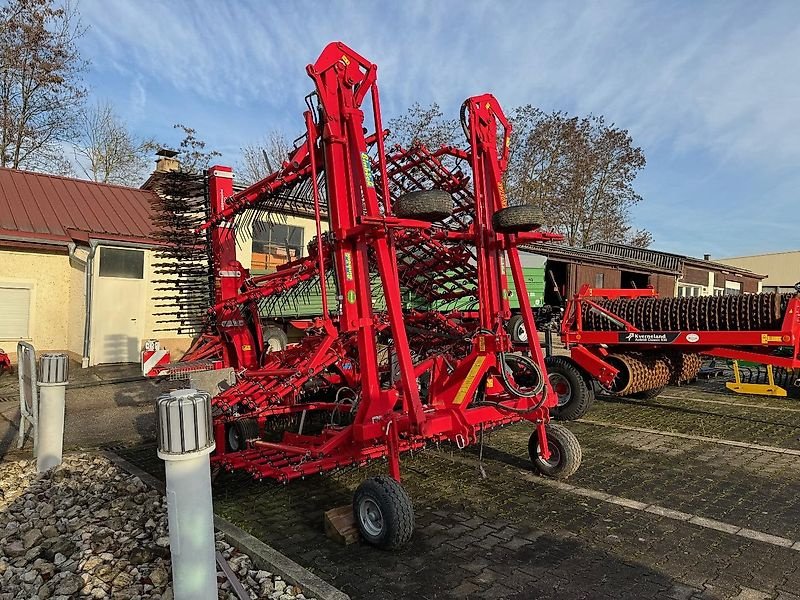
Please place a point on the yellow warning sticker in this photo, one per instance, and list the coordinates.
(467, 383)
(348, 266)
(766, 338)
(502, 190)
(365, 164)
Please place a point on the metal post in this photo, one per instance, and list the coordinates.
(28, 394)
(53, 375)
(186, 438)
(548, 342)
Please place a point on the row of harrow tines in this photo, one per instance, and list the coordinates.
(750, 312)
(437, 271)
(184, 285)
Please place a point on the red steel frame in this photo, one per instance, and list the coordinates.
(343, 349)
(589, 348)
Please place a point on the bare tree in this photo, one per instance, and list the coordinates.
(107, 151)
(425, 125)
(40, 82)
(192, 154)
(580, 171)
(263, 158)
(539, 151)
(641, 238)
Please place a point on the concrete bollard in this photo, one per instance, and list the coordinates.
(185, 440)
(53, 375)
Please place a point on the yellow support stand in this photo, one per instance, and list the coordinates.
(759, 389)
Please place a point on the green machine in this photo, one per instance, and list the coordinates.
(309, 304)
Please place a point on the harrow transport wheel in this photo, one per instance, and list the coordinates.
(424, 205)
(575, 397)
(565, 452)
(648, 394)
(516, 329)
(513, 219)
(275, 339)
(383, 512)
(239, 432)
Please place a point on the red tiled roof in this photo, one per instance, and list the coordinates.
(51, 209)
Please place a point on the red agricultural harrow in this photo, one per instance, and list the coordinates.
(384, 369)
(633, 343)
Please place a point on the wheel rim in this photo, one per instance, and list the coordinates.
(274, 344)
(561, 387)
(555, 455)
(371, 517)
(521, 333)
(234, 439)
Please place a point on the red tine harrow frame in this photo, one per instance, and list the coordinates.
(377, 375)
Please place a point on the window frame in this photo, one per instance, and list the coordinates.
(260, 246)
(104, 249)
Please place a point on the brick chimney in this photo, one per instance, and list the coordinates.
(166, 161)
(706, 257)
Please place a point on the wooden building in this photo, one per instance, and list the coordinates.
(698, 276)
(568, 268)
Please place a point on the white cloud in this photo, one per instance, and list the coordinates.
(720, 77)
(138, 98)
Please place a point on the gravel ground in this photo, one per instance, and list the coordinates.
(86, 529)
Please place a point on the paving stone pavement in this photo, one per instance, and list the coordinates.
(769, 428)
(505, 536)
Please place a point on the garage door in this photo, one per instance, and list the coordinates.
(15, 316)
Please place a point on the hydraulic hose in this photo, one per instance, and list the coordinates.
(510, 387)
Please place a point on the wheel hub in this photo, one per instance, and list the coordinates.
(555, 455)
(235, 440)
(561, 387)
(522, 334)
(371, 517)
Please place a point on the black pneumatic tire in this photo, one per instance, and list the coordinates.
(581, 395)
(424, 205)
(239, 433)
(648, 394)
(396, 512)
(516, 329)
(514, 219)
(275, 339)
(565, 452)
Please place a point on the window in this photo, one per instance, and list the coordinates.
(275, 245)
(119, 262)
(689, 291)
(599, 280)
(15, 317)
(733, 288)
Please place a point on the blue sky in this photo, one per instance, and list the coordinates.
(711, 91)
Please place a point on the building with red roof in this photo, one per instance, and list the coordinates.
(76, 267)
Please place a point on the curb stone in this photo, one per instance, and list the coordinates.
(262, 555)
